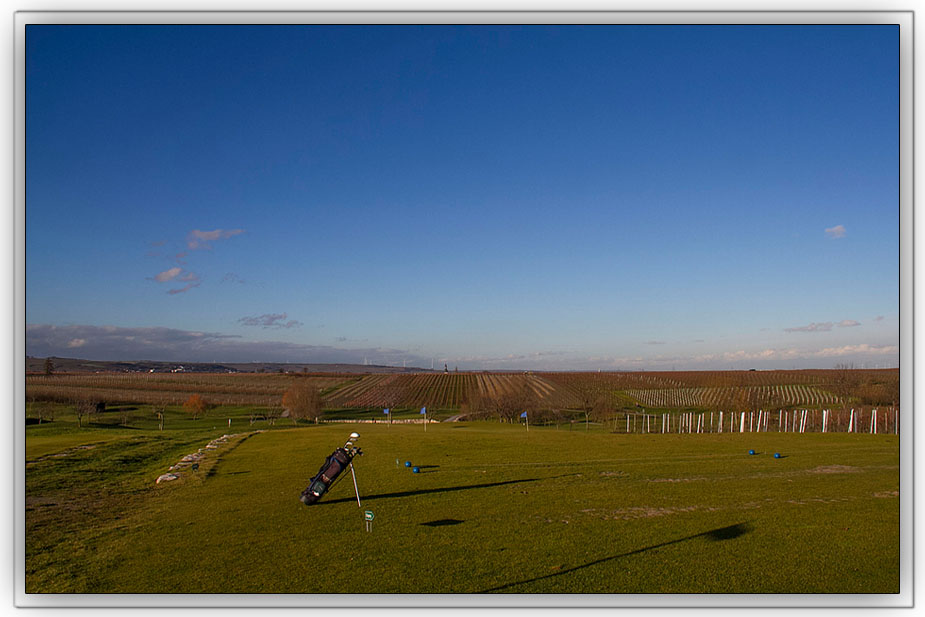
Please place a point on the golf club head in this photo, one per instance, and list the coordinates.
(354, 435)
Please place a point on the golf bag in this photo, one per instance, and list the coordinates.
(333, 467)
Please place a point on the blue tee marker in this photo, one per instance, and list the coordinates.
(415, 469)
(407, 463)
(751, 451)
(777, 455)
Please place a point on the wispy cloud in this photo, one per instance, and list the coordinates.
(167, 344)
(878, 318)
(863, 348)
(835, 232)
(655, 342)
(167, 275)
(185, 288)
(198, 239)
(813, 327)
(270, 320)
(848, 323)
(344, 339)
(231, 277)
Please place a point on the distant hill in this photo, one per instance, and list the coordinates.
(77, 365)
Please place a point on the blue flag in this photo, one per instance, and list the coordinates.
(523, 415)
(385, 410)
(423, 410)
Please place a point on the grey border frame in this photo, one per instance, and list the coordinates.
(905, 21)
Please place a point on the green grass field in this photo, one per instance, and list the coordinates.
(495, 509)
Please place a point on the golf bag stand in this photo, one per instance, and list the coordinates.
(330, 472)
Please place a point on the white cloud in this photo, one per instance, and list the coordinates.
(863, 348)
(198, 239)
(166, 275)
(835, 232)
(813, 327)
(848, 323)
(270, 320)
(167, 344)
(77, 342)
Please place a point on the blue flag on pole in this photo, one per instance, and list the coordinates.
(523, 415)
(423, 410)
(385, 410)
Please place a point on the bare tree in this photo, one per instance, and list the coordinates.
(195, 405)
(473, 403)
(603, 409)
(125, 414)
(160, 411)
(83, 407)
(303, 401)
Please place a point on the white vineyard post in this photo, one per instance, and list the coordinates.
(851, 421)
(711, 421)
(720, 422)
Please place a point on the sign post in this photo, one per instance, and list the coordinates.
(526, 419)
(369, 516)
(424, 413)
(388, 411)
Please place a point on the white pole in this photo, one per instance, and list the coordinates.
(720, 422)
(742, 422)
(355, 485)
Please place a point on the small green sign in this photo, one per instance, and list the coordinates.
(369, 515)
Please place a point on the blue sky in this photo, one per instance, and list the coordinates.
(599, 197)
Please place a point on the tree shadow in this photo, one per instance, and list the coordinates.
(714, 535)
(443, 522)
(429, 491)
(110, 426)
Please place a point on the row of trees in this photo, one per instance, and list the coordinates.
(508, 406)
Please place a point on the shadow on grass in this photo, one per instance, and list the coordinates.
(428, 491)
(108, 425)
(443, 522)
(714, 535)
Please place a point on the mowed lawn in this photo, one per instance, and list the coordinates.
(494, 509)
